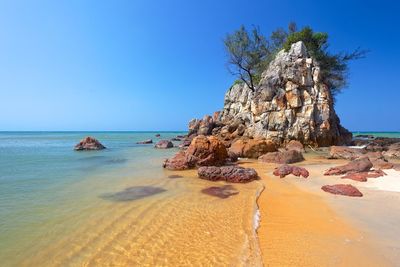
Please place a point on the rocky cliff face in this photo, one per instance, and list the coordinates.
(290, 103)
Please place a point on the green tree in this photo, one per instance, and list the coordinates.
(250, 55)
(247, 52)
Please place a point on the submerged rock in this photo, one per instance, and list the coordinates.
(203, 151)
(358, 165)
(284, 170)
(342, 189)
(220, 191)
(89, 143)
(282, 157)
(164, 144)
(148, 141)
(233, 174)
(133, 193)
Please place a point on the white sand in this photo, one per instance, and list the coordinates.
(389, 182)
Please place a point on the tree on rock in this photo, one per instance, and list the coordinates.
(247, 52)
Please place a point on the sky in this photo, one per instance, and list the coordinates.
(154, 65)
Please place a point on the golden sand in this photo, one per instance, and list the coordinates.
(298, 228)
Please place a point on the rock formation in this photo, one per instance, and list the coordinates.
(89, 143)
(233, 174)
(284, 170)
(358, 165)
(148, 141)
(282, 157)
(291, 102)
(342, 189)
(203, 151)
(164, 144)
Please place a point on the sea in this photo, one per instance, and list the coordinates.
(117, 206)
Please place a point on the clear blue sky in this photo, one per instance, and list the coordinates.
(154, 65)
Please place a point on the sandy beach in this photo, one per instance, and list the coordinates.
(303, 226)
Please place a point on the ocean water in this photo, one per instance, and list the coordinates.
(118, 206)
(379, 134)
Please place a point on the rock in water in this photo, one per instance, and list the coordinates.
(284, 170)
(342, 189)
(233, 174)
(202, 151)
(358, 165)
(291, 102)
(164, 144)
(89, 143)
(148, 141)
(282, 157)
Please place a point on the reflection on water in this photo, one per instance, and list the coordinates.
(133, 193)
(221, 192)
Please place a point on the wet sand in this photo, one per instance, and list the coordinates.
(303, 226)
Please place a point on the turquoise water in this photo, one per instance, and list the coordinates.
(41, 175)
(114, 207)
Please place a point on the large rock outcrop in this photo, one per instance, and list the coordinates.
(291, 102)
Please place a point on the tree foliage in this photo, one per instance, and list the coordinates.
(250, 53)
(247, 52)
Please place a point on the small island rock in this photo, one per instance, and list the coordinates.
(148, 141)
(164, 144)
(89, 143)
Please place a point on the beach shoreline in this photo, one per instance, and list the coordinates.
(300, 225)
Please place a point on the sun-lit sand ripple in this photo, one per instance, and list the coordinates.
(178, 227)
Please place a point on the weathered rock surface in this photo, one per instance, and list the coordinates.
(295, 145)
(291, 102)
(343, 152)
(342, 189)
(284, 170)
(203, 151)
(252, 148)
(148, 141)
(282, 157)
(164, 144)
(89, 143)
(233, 174)
(393, 151)
(357, 165)
(363, 176)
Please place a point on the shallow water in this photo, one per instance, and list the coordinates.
(118, 206)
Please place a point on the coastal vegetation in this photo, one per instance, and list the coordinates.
(250, 52)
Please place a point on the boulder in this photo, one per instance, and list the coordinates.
(342, 189)
(89, 143)
(164, 144)
(158, 135)
(252, 148)
(233, 174)
(295, 145)
(393, 151)
(357, 165)
(343, 152)
(148, 141)
(282, 157)
(284, 170)
(202, 151)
